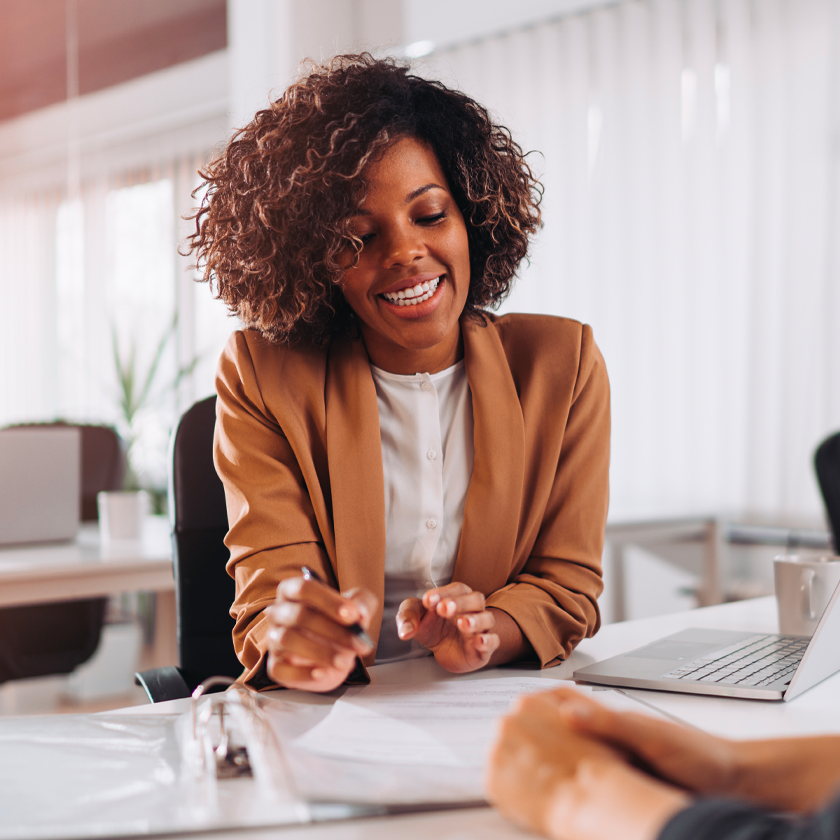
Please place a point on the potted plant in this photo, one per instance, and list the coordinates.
(139, 393)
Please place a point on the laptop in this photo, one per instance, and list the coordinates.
(726, 663)
(40, 484)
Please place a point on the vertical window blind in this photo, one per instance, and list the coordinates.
(689, 153)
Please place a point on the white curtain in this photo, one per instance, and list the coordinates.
(74, 273)
(689, 154)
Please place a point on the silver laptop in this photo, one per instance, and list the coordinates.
(40, 485)
(728, 663)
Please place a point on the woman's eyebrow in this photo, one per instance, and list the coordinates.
(420, 190)
(360, 211)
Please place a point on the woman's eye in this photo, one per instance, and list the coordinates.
(430, 220)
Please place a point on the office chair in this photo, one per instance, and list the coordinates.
(42, 639)
(203, 589)
(827, 465)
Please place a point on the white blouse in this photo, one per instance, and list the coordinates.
(426, 426)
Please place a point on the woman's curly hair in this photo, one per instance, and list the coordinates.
(274, 220)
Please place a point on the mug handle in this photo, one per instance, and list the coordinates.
(806, 593)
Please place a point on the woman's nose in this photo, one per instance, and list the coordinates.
(403, 245)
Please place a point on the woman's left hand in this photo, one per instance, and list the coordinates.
(452, 622)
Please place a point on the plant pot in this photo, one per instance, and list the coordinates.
(121, 514)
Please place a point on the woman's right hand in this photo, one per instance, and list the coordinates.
(309, 644)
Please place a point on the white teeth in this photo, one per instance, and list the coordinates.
(414, 295)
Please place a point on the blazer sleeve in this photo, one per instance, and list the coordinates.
(272, 524)
(553, 597)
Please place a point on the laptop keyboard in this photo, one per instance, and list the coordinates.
(756, 661)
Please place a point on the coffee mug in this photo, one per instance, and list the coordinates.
(804, 586)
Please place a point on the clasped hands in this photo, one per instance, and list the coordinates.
(311, 647)
(572, 769)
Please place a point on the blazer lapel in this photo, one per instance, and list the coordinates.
(354, 451)
(492, 508)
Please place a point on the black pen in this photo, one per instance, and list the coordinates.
(356, 629)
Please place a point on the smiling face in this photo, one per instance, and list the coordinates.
(410, 285)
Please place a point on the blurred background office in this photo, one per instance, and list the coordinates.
(689, 152)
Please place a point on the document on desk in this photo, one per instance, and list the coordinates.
(445, 724)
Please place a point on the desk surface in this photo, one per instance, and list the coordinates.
(85, 568)
(814, 711)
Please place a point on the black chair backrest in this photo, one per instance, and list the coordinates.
(827, 464)
(204, 590)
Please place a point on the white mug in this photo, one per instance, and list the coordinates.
(804, 586)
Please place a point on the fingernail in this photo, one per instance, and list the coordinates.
(346, 613)
(470, 623)
(274, 635)
(450, 608)
(318, 673)
(433, 600)
(405, 629)
(343, 660)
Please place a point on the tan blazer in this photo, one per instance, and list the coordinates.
(298, 449)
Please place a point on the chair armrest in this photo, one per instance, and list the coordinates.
(161, 684)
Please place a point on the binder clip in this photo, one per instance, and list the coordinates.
(231, 756)
(229, 750)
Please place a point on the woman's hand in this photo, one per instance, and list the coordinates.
(453, 624)
(309, 644)
(548, 778)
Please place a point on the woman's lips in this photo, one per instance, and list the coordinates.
(412, 295)
(429, 299)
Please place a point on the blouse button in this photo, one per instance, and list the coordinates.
(426, 386)
(431, 524)
(431, 454)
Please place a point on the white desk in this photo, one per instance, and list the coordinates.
(85, 568)
(814, 711)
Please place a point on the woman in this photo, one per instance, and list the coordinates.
(444, 469)
(570, 768)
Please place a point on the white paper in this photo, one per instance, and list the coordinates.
(448, 723)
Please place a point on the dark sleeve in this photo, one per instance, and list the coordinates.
(725, 819)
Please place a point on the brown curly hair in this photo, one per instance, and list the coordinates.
(273, 222)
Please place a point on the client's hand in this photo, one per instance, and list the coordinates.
(689, 758)
(309, 644)
(453, 624)
(550, 779)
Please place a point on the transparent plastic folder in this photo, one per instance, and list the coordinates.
(216, 767)
(220, 766)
